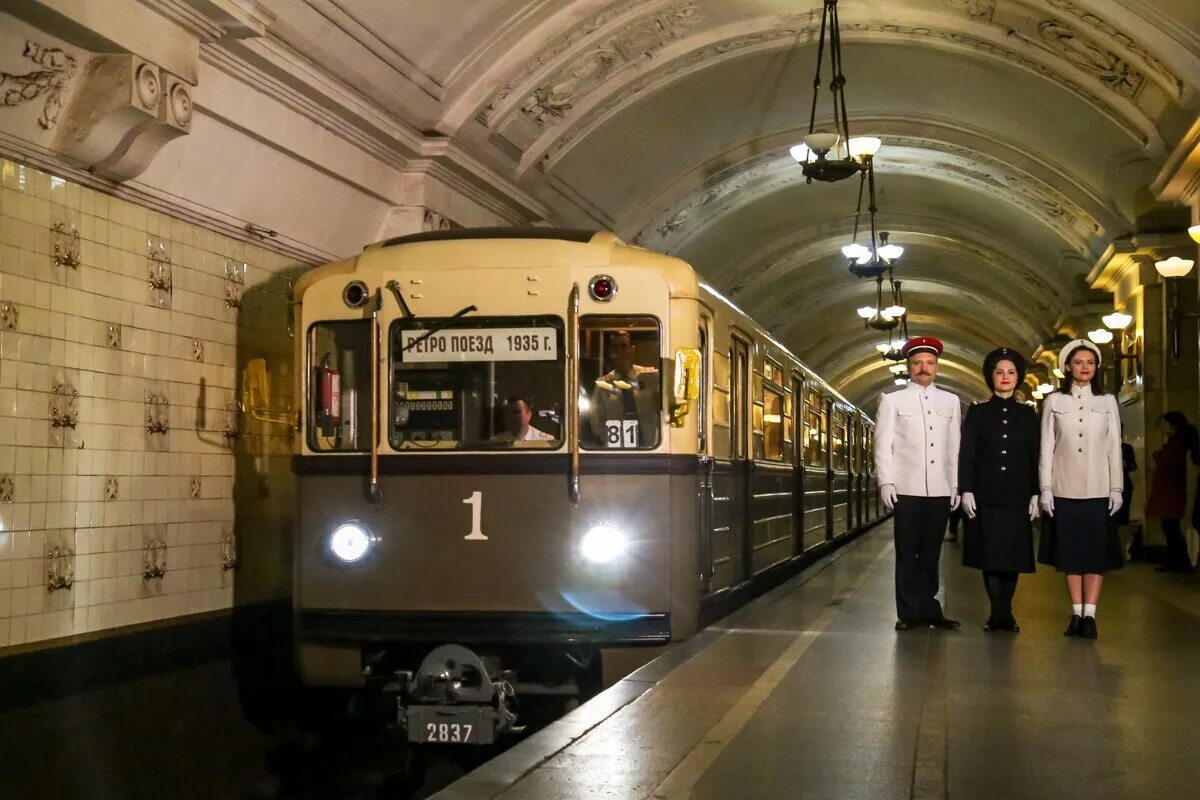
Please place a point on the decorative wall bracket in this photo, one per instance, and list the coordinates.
(158, 265)
(157, 414)
(122, 114)
(229, 559)
(156, 559)
(66, 244)
(60, 568)
(10, 316)
(233, 416)
(235, 283)
(8, 488)
(63, 413)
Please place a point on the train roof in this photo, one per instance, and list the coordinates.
(581, 235)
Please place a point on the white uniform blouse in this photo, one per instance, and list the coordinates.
(1081, 445)
(917, 431)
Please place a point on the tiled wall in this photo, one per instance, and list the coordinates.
(86, 338)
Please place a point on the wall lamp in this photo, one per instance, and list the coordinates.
(1117, 322)
(1176, 267)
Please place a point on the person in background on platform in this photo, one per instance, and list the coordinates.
(1168, 487)
(1081, 482)
(998, 478)
(1133, 550)
(916, 462)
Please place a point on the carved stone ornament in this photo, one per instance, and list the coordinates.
(434, 221)
(10, 316)
(47, 83)
(123, 113)
(979, 9)
(1112, 70)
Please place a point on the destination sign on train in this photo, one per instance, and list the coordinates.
(481, 344)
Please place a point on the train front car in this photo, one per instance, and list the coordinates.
(488, 488)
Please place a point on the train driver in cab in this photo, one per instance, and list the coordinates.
(624, 403)
(518, 415)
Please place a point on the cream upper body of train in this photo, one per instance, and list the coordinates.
(520, 446)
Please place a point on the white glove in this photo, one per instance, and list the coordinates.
(1048, 502)
(1033, 507)
(968, 504)
(954, 501)
(887, 493)
(1115, 501)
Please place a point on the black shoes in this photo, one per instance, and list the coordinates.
(1083, 627)
(1010, 625)
(945, 623)
(911, 624)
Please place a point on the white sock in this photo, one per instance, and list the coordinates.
(1077, 609)
(1089, 610)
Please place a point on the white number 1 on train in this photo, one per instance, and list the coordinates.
(475, 501)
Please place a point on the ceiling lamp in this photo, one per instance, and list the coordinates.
(1194, 232)
(866, 312)
(1037, 395)
(1100, 336)
(1117, 321)
(884, 347)
(1174, 267)
(898, 369)
(1058, 373)
(832, 155)
(894, 311)
(1045, 388)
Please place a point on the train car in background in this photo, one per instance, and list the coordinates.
(518, 447)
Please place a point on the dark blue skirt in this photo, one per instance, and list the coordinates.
(1081, 537)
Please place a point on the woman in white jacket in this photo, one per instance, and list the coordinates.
(1081, 481)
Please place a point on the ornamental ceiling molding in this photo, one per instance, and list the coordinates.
(923, 292)
(960, 241)
(740, 185)
(555, 142)
(611, 41)
(927, 132)
(56, 69)
(1115, 38)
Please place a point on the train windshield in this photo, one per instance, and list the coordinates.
(479, 383)
(620, 383)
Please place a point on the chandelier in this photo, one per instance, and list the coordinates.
(888, 318)
(832, 156)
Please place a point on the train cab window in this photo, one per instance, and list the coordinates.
(484, 383)
(620, 383)
(773, 413)
(814, 428)
(339, 393)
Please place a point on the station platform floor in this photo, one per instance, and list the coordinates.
(808, 692)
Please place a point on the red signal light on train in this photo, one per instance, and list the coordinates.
(602, 288)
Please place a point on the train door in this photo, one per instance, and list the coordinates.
(707, 466)
(798, 447)
(739, 384)
(816, 488)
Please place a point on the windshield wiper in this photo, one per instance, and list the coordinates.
(462, 312)
(394, 288)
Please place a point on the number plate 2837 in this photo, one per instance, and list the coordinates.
(449, 725)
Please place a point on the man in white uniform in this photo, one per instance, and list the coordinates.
(916, 460)
(517, 416)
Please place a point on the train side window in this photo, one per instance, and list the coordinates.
(814, 428)
(339, 393)
(773, 411)
(705, 390)
(620, 383)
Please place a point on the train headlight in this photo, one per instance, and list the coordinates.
(603, 544)
(350, 543)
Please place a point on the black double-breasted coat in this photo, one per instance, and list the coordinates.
(998, 464)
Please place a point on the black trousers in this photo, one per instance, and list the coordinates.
(919, 525)
(1177, 553)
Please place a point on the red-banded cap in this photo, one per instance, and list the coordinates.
(921, 344)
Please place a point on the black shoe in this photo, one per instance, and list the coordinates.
(1013, 626)
(911, 624)
(945, 623)
(990, 627)
(1073, 626)
(1087, 628)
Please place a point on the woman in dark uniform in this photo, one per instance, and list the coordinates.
(997, 475)
(1081, 481)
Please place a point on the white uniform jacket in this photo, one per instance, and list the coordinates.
(1081, 445)
(917, 431)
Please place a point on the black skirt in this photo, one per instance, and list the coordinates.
(1081, 537)
(999, 539)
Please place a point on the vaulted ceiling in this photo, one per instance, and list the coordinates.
(1020, 137)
